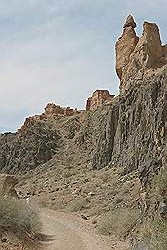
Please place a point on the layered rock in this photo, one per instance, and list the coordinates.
(129, 131)
(97, 99)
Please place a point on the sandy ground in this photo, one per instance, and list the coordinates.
(71, 232)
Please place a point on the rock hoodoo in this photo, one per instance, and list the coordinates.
(97, 99)
(125, 45)
(137, 56)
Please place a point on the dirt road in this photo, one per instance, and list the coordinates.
(73, 233)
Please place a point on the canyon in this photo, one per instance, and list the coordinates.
(108, 157)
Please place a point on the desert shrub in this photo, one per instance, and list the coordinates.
(160, 184)
(119, 222)
(159, 234)
(155, 230)
(18, 217)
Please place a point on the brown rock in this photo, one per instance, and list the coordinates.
(97, 99)
(134, 56)
(7, 185)
(130, 22)
(53, 109)
(148, 50)
(125, 45)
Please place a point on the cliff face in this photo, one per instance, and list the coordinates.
(133, 129)
(35, 144)
(135, 125)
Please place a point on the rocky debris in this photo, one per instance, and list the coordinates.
(84, 217)
(97, 99)
(125, 45)
(7, 185)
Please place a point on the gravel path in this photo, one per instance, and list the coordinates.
(70, 232)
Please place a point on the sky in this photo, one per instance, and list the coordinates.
(61, 51)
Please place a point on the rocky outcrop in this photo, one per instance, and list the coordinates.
(34, 144)
(7, 185)
(141, 57)
(125, 45)
(97, 99)
(52, 111)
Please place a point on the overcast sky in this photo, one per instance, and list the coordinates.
(62, 50)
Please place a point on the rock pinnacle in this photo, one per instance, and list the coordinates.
(130, 22)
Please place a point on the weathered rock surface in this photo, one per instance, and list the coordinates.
(125, 45)
(7, 185)
(136, 58)
(126, 139)
(35, 144)
(97, 99)
(130, 22)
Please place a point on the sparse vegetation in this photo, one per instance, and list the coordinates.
(18, 218)
(119, 222)
(155, 232)
(156, 227)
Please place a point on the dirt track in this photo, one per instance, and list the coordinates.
(72, 233)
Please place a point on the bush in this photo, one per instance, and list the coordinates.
(155, 230)
(119, 222)
(19, 218)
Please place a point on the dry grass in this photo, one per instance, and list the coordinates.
(119, 222)
(20, 219)
(155, 232)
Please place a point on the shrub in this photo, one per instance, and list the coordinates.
(119, 222)
(19, 218)
(155, 230)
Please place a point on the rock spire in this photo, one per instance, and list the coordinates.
(125, 45)
(130, 22)
(137, 56)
